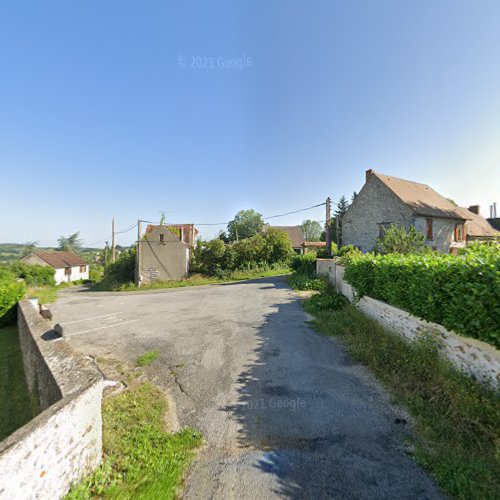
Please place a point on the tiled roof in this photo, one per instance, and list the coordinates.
(59, 260)
(422, 199)
(479, 226)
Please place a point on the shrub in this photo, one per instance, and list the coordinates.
(397, 239)
(304, 263)
(11, 291)
(304, 275)
(33, 275)
(121, 271)
(327, 300)
(461, 293)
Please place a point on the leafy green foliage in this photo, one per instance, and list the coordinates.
(246, 223)
(33, 275)
(397, 239)
(312, 230)
(461, 292)
(456, 419)
(304, 275)
(326, 300)
(12, 290)
(217, 258)
(142, 460)
(119, 272)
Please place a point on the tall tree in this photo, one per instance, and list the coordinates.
(70, 243)
(246, 223)
(312, 230)
(339, 213)
(29, 246)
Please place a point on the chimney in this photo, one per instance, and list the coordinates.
(369, 173)
(474, 209)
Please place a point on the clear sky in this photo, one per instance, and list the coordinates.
(109, 107)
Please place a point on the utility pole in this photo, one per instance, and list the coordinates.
(327, 228)
(113, 252)
(106, 249)
(138, 255)
(337, 226)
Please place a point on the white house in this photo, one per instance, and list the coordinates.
(68, 266)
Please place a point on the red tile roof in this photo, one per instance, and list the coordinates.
(59, 260)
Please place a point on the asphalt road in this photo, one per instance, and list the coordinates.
(285, 413)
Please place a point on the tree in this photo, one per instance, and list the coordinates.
(312, 230)
(70, 243)
(246, 223)
(29, 246)
(397, 239)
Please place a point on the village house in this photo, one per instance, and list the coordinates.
(296, 235)
(165, 252)
(385, 200)
(68, 266)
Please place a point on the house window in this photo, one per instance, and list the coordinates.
(430, 234)
(162, 238)
(459, 232)
(83, 269)
(67, 271)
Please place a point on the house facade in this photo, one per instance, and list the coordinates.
(68, 266)
(385, 200)
(164, 253)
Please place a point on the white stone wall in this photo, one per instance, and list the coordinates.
(63, 443)
(477, 358)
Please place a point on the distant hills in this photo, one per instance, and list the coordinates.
(10, 252)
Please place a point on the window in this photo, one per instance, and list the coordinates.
(459, 232)
(83, 269)
(162, 238)
(67, 271)
(430, 234)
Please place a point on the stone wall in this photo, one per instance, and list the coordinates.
(64, 442)
(477, 358)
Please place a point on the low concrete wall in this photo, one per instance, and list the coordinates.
(64, 442)
(477, 358)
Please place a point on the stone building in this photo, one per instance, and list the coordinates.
(385, 200)
(165, 252)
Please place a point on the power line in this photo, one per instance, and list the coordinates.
(126, 230)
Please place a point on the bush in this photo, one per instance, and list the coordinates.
(304, 263)
(461, 293)
(120, 272)
(33, 275)
(11, 291)
(327, 300)
(397, 239)
(304, 275)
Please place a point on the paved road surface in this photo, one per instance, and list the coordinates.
(284, 412)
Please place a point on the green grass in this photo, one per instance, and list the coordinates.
(457, 421)
(142, 461)
(194, 280)
(15, 404)
(48, 293)
(147, 358)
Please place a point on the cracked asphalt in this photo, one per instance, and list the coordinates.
(285, 413)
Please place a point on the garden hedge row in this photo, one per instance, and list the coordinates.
(462, 292)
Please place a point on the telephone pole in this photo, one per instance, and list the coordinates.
(113, 252)
(106, 248)
(327, 228)
(138, 255)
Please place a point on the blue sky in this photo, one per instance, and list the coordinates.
(102, 113)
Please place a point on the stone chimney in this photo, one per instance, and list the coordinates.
(474, 209)
(369, 173)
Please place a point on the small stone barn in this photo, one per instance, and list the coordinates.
(164, 253)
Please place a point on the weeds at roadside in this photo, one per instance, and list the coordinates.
(147, 358)
(457, 421)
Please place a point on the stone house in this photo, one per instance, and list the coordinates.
(165, 252)
(386, 200)
(68, 266)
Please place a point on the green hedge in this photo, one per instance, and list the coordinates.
(33, 275)
(11, 291)
(460, 292)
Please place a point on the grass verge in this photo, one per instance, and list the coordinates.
(193, 280)
(48, 293)
(147, 358)
(457, 421)
(15, 403)
(142, 461)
